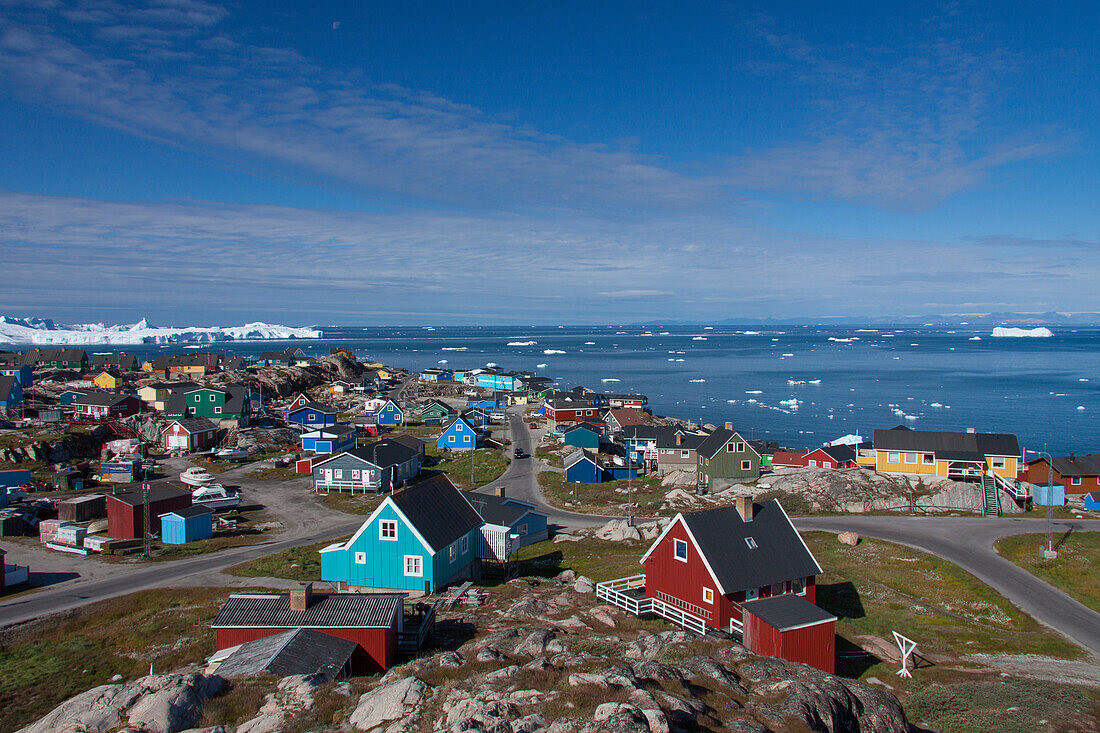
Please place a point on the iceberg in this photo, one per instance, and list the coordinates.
(754, 391)
(552, 351)
(611, 379)
(697, 381)
(1041, 332)
(699, 338)
(975, 338)
(541, 366)
(47, 331)
(522, 343)
(452, 348)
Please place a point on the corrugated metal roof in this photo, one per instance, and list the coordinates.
(326, 610)
(298, 651)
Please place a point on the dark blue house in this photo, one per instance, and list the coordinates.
(583, 467)
(459, 435)
(390, 414)
(23, 374)
(70, 396)
(313, 415)
(11, 393)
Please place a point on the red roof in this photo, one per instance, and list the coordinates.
(787, 458)
(626, 417)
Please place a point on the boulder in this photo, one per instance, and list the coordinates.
(388, 702)
(621, 717)
(584, 585)
(528, 607)
(848, 538)
(174, 702)
(566, 577)
(602, 614)
(95, 711)
(450, 660)
(647, 646)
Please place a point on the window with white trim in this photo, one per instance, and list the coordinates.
(452, 552)
(680, 550)
(465, 438)
(929, 459)
(211, 398)
(740, 448)
(387, 529)
(685, 454)
(893, 457)
(1075, 481)
(450, 438)
(999, 462)
(746, 465)
(360, 558)
(217, 410)
(798, 585)
(826, 464)
(337, 473)
(464, 544)
(708, 595)
(910, 457)
(751, 543)
(414, 566)
(354, 474)
(813, 464)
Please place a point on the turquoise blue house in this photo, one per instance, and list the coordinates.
(583, 435)
(417, 540)
(459, 435)
(390, 414)
(333, 439)
(185, 525)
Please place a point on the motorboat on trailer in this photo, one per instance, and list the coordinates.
(231, 454)
(196, 476)
(215, 496)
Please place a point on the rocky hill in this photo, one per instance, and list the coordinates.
(541, 656)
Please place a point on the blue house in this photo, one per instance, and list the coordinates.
(459, 435)
(436, 375)
(333, 439)
(583, 435)
(417, 540)
(313, 415)
(520, 521)
(70, 396)
(11, 393)
(390, 414)
(185, 525)
(378, 466)
(498, 380)
(476, 417)
(614, 471)
(1092, 501)
(582, 466)
(23, 374)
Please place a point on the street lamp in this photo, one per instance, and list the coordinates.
(1049, 553)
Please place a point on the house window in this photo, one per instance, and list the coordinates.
(450, 438)
(458, 428)
(740, 448)
(751, 543)
(777, 589)
(998, 463)
(387, 529)
(312, 417)
(198, 398)
(465, 438)
(217, 410)
(360, 558)
(798, 586)
(910, 457)
(211, 398)
(337, 473)
(452, 552)
(893, 457)
(929, 459)
(708, 595)
(354, 474)
(680, 550)
(730, 448)
(746, 465)
(464, 545)
(414, 566)
(813, 464)
(826, 464)
(1075, 481)
(684, 454)
(521, 530)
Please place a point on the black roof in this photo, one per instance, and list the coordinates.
(438, 510)
(779, 555)
(193, 424)
(652, 432)
(714, 442)
(101, 398)
(156, 493)
(296, 651)
(409, 441)
(687, 441)
(325, 611)
(1074, 465)
(788, 611)
(194, 510)
(584, 424)
(6, 384)
(957, 446)
(317, 407)
(385, 452)
(841, 453)
(499, 510)
(333, 430)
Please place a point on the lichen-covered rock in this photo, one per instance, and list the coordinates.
(388, 702)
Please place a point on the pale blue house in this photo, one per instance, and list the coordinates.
(459, 435)
(333, 439)
(418, 540)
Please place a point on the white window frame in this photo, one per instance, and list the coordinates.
(414, 566)
(217, 409)
(826, 464)
(999, 460)
(464, 544)
(211, 398)
(338, 473)
(452, 552)
(1074, 480)
(751, 543)
(685, 454)
(740, 448)
(708, 595)
(911, 458)
(813, 464)
(360, 558)
(450, 438)
(798, 586)
(929, 459)
(465, 438)
(387, 530)
(746, 465)
(354, 474)
(676, 545)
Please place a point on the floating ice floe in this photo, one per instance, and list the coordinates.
(441, 361)
(541, 366)
(795, 382)
(708, 328)
(589, 343)
(522, 343)
(1041, 332)
(552, 351)
(814, 381)
(697, 381)
(491, 364)
(975, 338)
(1081, 408)
(788, 354)
(452, 348)
(754, 391)
(698, 338)
(866, 330)
(936, 404)
(793, 403)
(844, 340)
(751, 333)
(611, 379)
(1082, 379)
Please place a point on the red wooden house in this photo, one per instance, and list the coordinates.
(789, 459)
(563, 411)
(831, 456)
(1079, 475)
(105, 406)
(126, 513)
(300, 401)
(710, 569)
(371, 620)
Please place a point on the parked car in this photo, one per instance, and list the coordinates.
(533, 425)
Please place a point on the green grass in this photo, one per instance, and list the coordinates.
(1073, 571)
(598, 559)
(1007, 706)
(489, 464)
(295, 563)
(352, 503)
(50, 660)
(604, 498)
(877, 587)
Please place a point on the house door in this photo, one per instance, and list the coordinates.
(176, 442)
(328, 475)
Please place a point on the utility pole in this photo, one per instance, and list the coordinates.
(147, 544)
(629, 497)
(1050, 554)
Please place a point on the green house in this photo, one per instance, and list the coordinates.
(436, 413)
(224, 403)
(726, 455)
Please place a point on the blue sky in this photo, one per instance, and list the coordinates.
(441, 162)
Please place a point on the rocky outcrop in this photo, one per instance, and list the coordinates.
(395, 700)
(78, 445)
(155, 704)
(293, 695)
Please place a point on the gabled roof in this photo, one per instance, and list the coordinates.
(132, 497)
(687, 441)
(949, 446)
(625, 416)
(409, 441)
(460, 419)
(332, 431)
(296, 651)
(385, 452)
(438, 511)
(316, 407)
(839, 453)
(585, 425)
(187, 512)
(652, 432)
(500, 510)
(580, 454)
(106, 399)
(720, 537)
(191, 425)
(325, 611)
(714, 442)
(1088, 465)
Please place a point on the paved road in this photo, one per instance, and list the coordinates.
(521, 481)
(968, 542)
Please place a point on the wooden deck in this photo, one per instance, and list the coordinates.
(629, 595)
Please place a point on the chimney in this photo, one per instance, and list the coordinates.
(729, 426)
(301, 597)
(745, 507)
(679, 439)
(500, 491)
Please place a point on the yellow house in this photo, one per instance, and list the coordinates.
(966, 455)
(384, 374)
(107, 379)
(156, 395)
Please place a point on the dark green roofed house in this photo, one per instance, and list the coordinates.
(76, 359)
(727, 458)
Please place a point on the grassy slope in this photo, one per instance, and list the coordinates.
(1073, 571)
(608, 497)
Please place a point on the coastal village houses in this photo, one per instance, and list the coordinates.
(1079, 475)
(959, 456)
(726, 457)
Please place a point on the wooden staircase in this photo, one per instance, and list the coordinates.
(991, 504)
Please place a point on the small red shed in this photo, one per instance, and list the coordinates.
(371, 620)
(189, 434)
(792, 628)
(831, 456)
(125, 513)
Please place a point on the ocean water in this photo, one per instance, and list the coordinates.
(801, 386)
